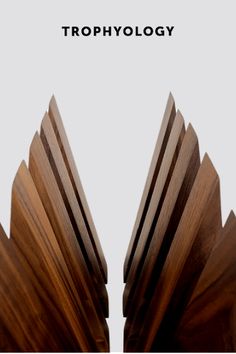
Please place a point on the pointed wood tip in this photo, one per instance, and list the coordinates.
(230, 218)
(192, 131)
(206, 161)
(34, 141)
(52, 101)
(45, 119)
(180, 117)
(171, 99)
(21, 170)
(22, 167)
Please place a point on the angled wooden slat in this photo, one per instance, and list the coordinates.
(158, 154)
(12, 331)
(33, 235)
(195, 236)
(208, 323)
(62, 139)
(158, 195)
(51, 198)
(180, 186)
(64, 183)
(26, 322)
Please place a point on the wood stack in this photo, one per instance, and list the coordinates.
(180, 267)
(53, 272)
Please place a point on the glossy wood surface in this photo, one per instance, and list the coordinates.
(155, 205)
(159, 151)
(52, 288)
(60, 171)
(183, 176)
(180, 266)
(63, 142)
(208, 324)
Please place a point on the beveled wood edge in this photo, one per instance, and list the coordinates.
(162, 139)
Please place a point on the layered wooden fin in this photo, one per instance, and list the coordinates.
(24, 303)
(33, 235)
(60, 171)
(52, 289)
(63, 142)
(161, 185)
(180, 285)
(179, 188)
(192, 241)
(52, 200)
(166, 126)
(208, 323)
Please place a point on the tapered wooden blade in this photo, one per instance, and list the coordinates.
(33, 235)
(158, 154)
(25, 304)
(51, 198)
(178, 191)
(198, 230)
(208, 323)
(155, 205)
(63, 142)
(59, 169)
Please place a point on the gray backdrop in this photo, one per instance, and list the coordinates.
(112, 93)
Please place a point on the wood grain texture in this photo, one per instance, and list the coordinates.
(53, 271)
(34, 236)
(60, 171)
(197, 231)
(208, 324)
(158, 154)
(26, 314)
(180, 186)
(180, 267)
(86, 295)
(62, 139)
(155, 205)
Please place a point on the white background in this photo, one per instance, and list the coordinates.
(112, 93)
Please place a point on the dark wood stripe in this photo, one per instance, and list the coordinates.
(61, 174)
(48, 190)
(180, 186)
(33, 235)
(62, 139)
(155, 205)
(208, 323)
(196, 234)
(29, 321)
(158, 154)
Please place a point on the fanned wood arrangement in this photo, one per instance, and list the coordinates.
(180, 267)
(53, 272)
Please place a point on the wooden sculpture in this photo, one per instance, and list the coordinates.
(179, 271)
(52, 292)
(180, 267)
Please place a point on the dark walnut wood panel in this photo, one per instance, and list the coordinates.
(180, 265)
(51, 198)
(53, 271)
(195, 236)
(158, 154)
(208, 324)
(155, 205)
(180, 186)
(64, 183)
(63, 142)
(29, 321)
(34, 236)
